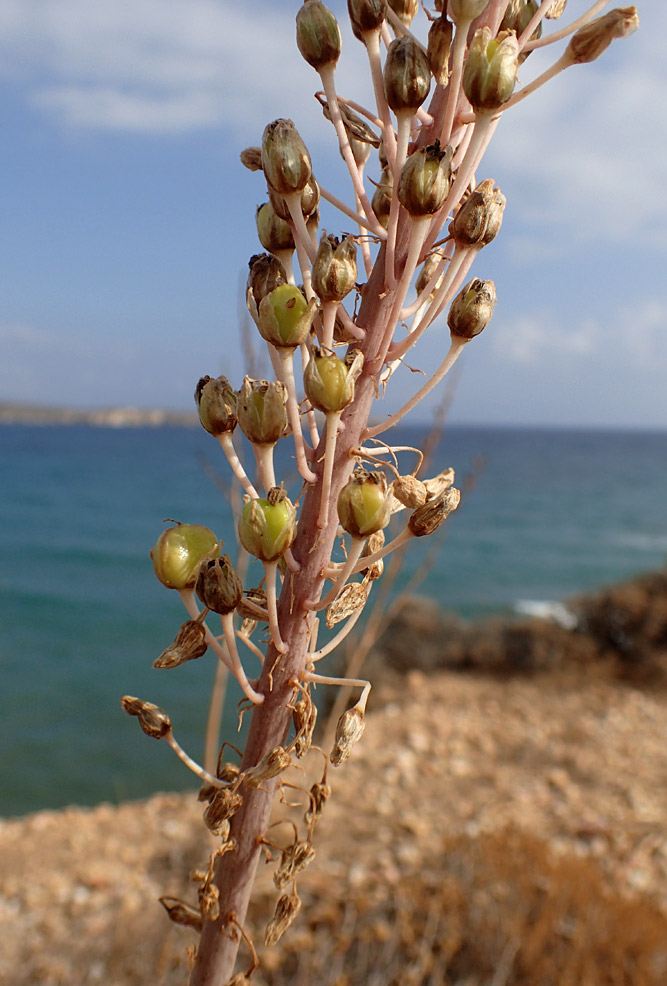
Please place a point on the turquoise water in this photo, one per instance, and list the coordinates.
(82, 617)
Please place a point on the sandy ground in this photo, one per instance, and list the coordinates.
(575, 760)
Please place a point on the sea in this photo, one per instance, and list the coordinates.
(546, 514)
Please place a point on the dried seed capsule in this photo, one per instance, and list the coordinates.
(591, 40)
(428, 518)
(178, 553)
(472, 308)
(364, 503)
(428, 270)
(267, 527)
(374, 543)
(329, 380)
(407, 76)
(190, 643)
(436, 485)
(251, 158)
(334, 268)
(271, 764)
(223, 805)
(310, 198)
(293, 859)
(218, 585)
(285, 158)
(438, 47)
(466, 10)
(490, 70)
(318, 35)
(352, 598)
(424, 181)
(287, 909)
(409, 491)
(381, 201)
(405, 9)
(517, 17)
(480, 217)
(153, 720)
(556, 9)
(216, 404)
(274, 233)
(319, 795)
(265, 274)
(349, 730)
(304, 717)
(366, 16)
(181, 913)
(284, 318)
(262, 410)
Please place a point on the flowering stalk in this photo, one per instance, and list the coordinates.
(422, 186)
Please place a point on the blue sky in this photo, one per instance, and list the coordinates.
(126, 219)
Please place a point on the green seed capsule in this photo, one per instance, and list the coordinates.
(284, 318)
(364, 504)
(267, 527)
(178, 553)
(329, 380)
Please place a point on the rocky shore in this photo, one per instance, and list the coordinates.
(501, 822)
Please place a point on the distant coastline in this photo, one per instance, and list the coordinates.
(100, 417)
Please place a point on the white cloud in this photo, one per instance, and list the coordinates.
(151, 65)
(539, 340)
(635, 337)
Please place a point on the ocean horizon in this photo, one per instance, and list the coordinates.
(547, 513)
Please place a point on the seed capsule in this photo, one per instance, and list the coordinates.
(364, 503)
(328, 380)
(480, 217)
(349, 730)
(334, 268)
(285, 158)
(556, 9)
(267, 527)
(428, 518)
(310, 198)
(216, 404)
(438, 47)
(466, 10)
(405, 9)
(181, 913)
(271, 764)
(287, 909)
(517, 17)
(318, 35)
(190, 643)
(381, 201)
(224, 804)
(284, 318)
(366, 16)
(262, 410)
(409, 491)
(178, 553)
(472, 308)
(407, 76)
(251, 158)
(490, 70)
(218, 585)
(274, 233)
(428, 270)
(424, 181)
(591, 40)
(265, 273)
(153, 720)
